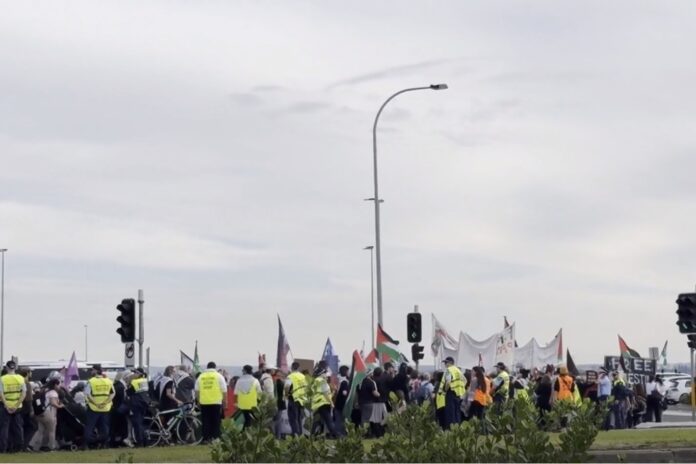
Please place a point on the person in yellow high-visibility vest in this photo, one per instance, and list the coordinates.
(321, 400)
(454, 387)
(248, 391)
(13, 389)
(139, 395)
(296, 392)
(99, 393)
(211, 395)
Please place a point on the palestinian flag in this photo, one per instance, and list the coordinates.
(358, 374)
(386, 346)
(626, 353)
(570, 364)
(372, 360)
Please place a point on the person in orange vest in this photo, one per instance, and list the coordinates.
(248, 391)
(564, 386)
(481, 385)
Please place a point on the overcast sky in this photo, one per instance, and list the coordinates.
(217, 154)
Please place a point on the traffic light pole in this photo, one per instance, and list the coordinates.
(141, 328)
(693, 388)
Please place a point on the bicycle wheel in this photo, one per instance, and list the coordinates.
(189, 430)
(153, 432)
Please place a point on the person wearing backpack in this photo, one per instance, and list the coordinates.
(46, 406)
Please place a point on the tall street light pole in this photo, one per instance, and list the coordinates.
(2, 307)
(376, 199)
(372, 290)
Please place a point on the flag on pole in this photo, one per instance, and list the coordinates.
(196, 361)
(560, 345)
(626, 353)
(71, 373)
(372, 360)
(283, 349)
(358, 374)
(386, 346)
(506, 325)
(480, 360)
(331, 358)
(664, 354)
(186, 361)
(570, 364)
(262, 359)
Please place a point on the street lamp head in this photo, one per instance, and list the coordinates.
(370, 247)
(439, 86)
(2, 250)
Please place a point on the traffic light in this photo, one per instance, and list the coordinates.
(686, 312)
(417, 352)
(127, 320)
(413, 327)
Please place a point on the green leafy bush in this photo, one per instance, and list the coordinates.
(509, 433)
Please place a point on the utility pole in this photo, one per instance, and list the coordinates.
(141, 328)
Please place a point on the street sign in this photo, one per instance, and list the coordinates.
(129, 354)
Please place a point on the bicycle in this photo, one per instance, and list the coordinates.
(182, 423)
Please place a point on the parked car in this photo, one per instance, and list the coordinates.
(676, 388)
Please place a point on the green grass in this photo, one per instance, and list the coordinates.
(620, 439)
(615, 439)
(159, 454)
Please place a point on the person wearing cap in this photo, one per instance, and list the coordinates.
(99, 393)
(211, 395)
(248, 391)
(564, 386)
(454, 388)
(321, 399)
(139, 394)
(13, 389)
(501, 384)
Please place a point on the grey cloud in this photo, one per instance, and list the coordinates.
(245, 99)
(268, 88)
(388, 72)
(304, 107)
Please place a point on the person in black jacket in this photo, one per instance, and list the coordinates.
(340, 400)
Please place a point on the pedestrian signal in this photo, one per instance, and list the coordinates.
(413, 327)
(127, 320)
(417, 352)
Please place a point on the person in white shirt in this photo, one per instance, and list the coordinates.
(655, 391)
(267, 383)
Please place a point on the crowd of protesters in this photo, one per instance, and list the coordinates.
(47, 415)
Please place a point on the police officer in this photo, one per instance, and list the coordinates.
(454, 388)
(13, 389)
(99, 393)
(139, 393)
(296, 391)
(321, 400)
(211, 394)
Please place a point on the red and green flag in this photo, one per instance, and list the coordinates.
(387, 346)
(358, 374)
(372, 360)
(625, 354)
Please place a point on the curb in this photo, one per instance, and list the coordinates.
(644, 455)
